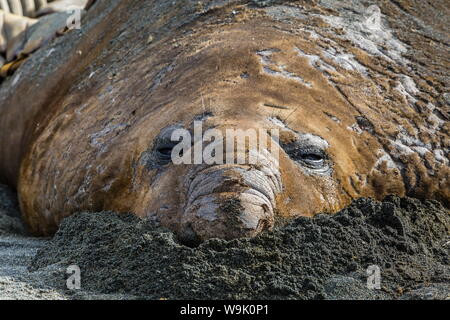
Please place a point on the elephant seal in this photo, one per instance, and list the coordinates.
(36, 8)
(354, 118)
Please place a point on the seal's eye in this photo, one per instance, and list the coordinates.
(311, 157)
(164, 151)
(159, 155)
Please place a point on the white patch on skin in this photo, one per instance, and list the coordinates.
(345, 60)
(439, 155)
(334, 118)
(367, 29)
(389, 162)
(372, 40)
(400, 88)
(409, 140)
(434, 121)
(316, 62)
(276, 70)
(355, 128)
(407, 87)
(277, 122)
(405, 144)
(108, 186)
(409, 84)
(311, 33)
(283, 12)
(16, 79)
(101, 168)
(109, 94)
(314, 140)
(401, 148)
(420, 150)
(50, 52)
(384, 158)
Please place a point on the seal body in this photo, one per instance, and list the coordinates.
(97, 135)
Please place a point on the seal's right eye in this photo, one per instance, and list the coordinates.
(164, 151)
(161, 152)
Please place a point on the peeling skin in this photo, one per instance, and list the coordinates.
(278, 70)
(83, 143)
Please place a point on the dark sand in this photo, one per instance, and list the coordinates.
(321, 258)
(9, 212)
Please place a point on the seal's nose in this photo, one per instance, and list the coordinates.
(229, 201)
(247, 215)
(226, 215)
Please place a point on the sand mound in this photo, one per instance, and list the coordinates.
(323, 257)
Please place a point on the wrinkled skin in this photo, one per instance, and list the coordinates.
(99, 143)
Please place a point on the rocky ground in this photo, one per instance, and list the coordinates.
(123, 257)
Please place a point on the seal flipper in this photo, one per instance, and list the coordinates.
(16, 7)
(61, 5)
(11, 27)
(28, 8)
(34, 37)
(20, 36)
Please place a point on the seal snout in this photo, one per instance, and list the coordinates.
(230, 201)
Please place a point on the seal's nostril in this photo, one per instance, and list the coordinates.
(188, 237)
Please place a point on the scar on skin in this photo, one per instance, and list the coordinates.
(276, 106)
